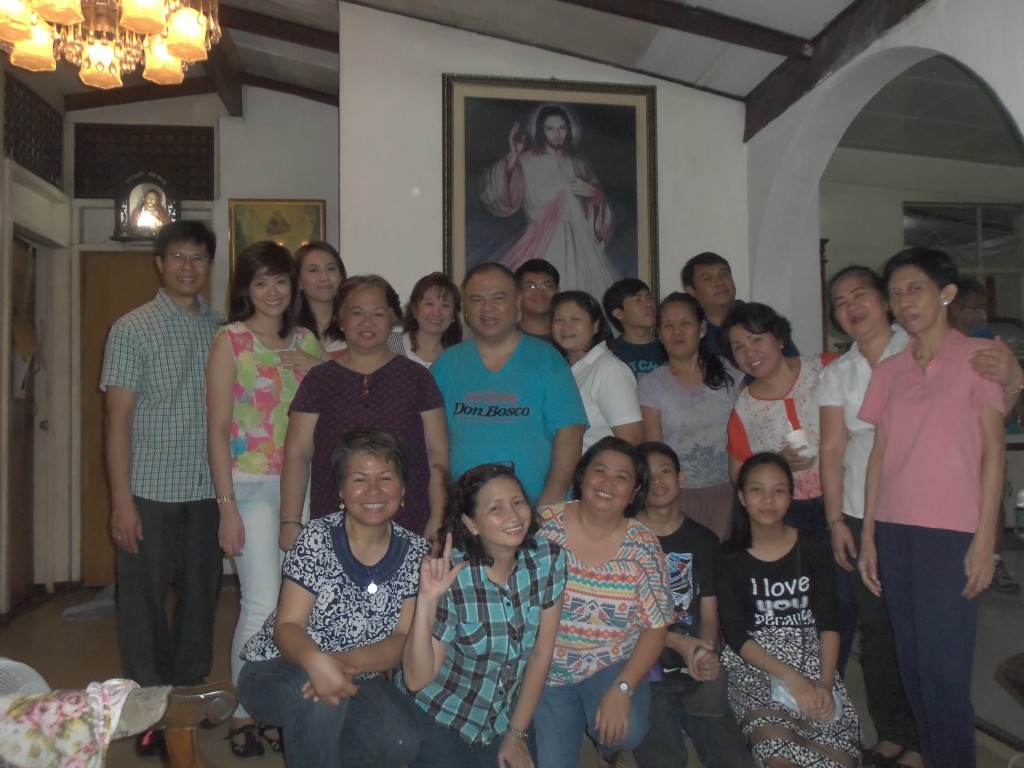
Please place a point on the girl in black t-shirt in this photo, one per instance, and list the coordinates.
(777, 603)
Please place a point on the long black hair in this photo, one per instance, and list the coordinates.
(306, 317)
(715, 374)
(741, 538)
(463, 497)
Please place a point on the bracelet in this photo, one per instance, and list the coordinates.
(834, 522)
(291, 522)
(1014, 390)
(226, 498)
(517, 733)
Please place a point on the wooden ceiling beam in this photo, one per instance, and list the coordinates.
(129, 94)
(258, 81)
(260, 24)
(848, 35)
(223, 66)
(696, 21)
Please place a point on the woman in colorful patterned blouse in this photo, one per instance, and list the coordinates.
(318, 666)
(615, 614)
(248, 393)
(481, 640)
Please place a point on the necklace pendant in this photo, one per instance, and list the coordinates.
(372, 588)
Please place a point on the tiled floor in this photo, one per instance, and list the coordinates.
(72, 654)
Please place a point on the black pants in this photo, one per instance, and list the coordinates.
(887, 703)
(179, 546)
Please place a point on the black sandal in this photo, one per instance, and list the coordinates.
(276, 744)
(250, 746)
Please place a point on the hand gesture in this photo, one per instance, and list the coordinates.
(437, 573)
(998, 363)
(979, 566)
(825, 707)
(843, 546)
(868, 566)
(516, 141)
(330, 679)
(299, 361)
(796, 460)
(514, 753)
(805, 692)
(581, 188)
(704, 665)
(613, 716)
(126, 527)
(231, 533)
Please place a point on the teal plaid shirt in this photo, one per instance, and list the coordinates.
(159, 352)
(490, 632)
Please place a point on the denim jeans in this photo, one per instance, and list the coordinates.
(718, 740)
(180, 547)
(373, 729)
(565, 712)
(258, 498)
(443, 747)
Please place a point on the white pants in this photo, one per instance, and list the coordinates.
(258, 498)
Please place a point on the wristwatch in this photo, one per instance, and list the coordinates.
(625, 688)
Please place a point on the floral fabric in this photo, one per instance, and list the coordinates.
(61, 729)
(263, 394)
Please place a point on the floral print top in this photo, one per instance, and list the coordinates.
(263, 394)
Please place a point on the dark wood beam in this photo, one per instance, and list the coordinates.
(244, 20)
(697, 21)
(258, 81)
(841, 41)
(223, 66)
(129, 94)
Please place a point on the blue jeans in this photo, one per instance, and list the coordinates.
(373, 729)
(565, 712)
(718, 740)
(443, 747)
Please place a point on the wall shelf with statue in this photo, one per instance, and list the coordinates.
(145, 202)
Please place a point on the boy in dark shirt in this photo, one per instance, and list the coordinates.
(690, 697)
(633, 312)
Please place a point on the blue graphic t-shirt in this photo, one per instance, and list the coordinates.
(511, 414)
(641, 358)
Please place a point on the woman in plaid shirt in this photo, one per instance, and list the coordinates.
(482, 635)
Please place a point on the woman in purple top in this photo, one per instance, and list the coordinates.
(368, 387)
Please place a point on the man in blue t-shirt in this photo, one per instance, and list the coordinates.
(507, 395)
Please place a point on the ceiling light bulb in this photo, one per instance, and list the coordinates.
(35, 52)
(147, 17)
(59, 11)
(186, 34)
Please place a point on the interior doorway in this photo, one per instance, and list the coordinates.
(113, 283)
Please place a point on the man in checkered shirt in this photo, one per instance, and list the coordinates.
(164, 516)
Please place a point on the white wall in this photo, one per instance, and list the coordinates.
(785, 161)
(391, 140)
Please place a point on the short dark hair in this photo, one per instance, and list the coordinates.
(453, 333)
(755, 318)
(306, 317)
(617, 444)
(740, 538)
(705, 259)
(357, 283)
(489, 266)
(463, 497)
(540, 266)
(866, 274)
(937, 265)
(588, 304)
(657, 448)
(382, 443)
(967, 287)
(617, 294)
(194, 232)
(263, 259)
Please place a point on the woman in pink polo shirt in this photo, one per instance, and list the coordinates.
(932, 500)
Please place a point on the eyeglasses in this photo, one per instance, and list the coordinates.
(547, 286)
(179, 259)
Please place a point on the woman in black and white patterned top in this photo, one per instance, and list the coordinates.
(316, 668)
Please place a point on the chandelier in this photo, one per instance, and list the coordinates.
(108, 38)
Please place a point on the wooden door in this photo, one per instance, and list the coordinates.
(113, 283)
(20, 466)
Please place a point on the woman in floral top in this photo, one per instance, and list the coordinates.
(248, 393)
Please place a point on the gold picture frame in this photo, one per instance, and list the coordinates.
(615, 148)
(287, 222)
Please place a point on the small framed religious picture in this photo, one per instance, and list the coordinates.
(146, 202)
